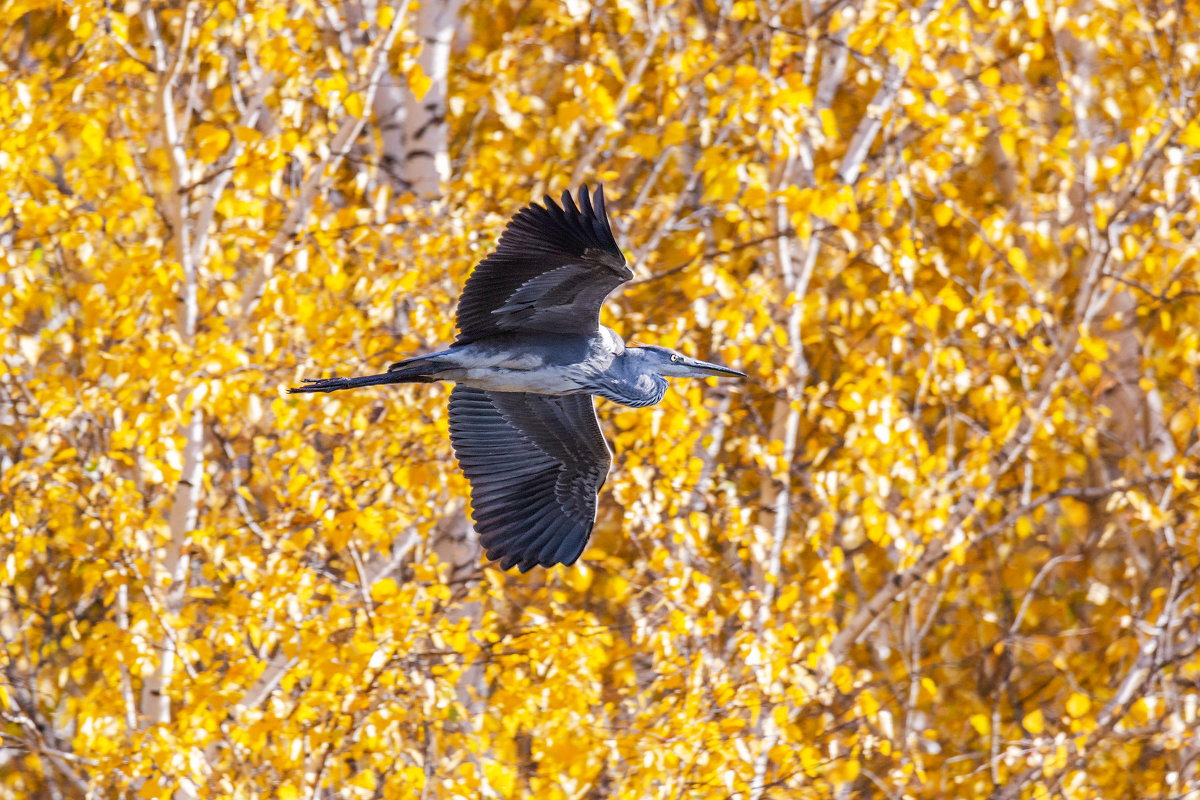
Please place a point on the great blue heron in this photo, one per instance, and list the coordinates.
(529, 355)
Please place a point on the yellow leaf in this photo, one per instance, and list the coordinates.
(942, 214)
(1078, 705)
(951, 300)
(797, 94)
(248, 135)
(364, 780)
(384, 590)
(153, 789)
(982, 724)
(211, 141)
(675, 133)
(408, 280)
(1034, 722)
(782, 755)
(846, 771)
(645, 145)
(990, 77)
(1016, 257)
(732, 724)
(1191, 134)
(828, 123)
(93, 137)
(1096, 349)
(418, 82)
(810, 760)
(745, 76)
(500, 777)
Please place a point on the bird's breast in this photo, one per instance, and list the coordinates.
(540, 364)
(543, 380)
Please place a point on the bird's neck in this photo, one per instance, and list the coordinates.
(630, 385)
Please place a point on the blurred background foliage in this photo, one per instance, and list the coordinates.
(941, 543)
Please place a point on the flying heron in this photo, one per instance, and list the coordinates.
(529, 355)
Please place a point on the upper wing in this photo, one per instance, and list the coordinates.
(550, 272)
(535, 463)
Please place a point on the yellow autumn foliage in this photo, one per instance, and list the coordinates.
(941, 543)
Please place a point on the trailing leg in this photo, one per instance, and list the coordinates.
(419, 374)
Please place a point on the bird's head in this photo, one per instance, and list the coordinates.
(673, 364)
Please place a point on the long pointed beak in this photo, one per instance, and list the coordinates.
(704, 369)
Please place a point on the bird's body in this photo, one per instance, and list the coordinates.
(534, 362)
(530, 354)
(542, 363)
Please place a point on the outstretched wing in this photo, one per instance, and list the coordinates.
(535, 463)
(550, 272)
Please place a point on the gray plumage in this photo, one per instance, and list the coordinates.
(529, 355)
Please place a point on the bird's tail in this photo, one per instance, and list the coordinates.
(414, 375)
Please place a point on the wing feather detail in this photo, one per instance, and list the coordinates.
(537, 505)
(549, 273)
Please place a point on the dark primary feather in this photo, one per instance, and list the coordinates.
(535, 463)
(550, 272)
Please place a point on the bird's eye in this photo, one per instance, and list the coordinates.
(674, 359)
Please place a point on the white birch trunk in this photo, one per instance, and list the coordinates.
(389, 107)
(190, 229)
(426, 158)
(389, 113)
(170, 574)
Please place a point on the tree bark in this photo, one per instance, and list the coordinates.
(427, 159)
